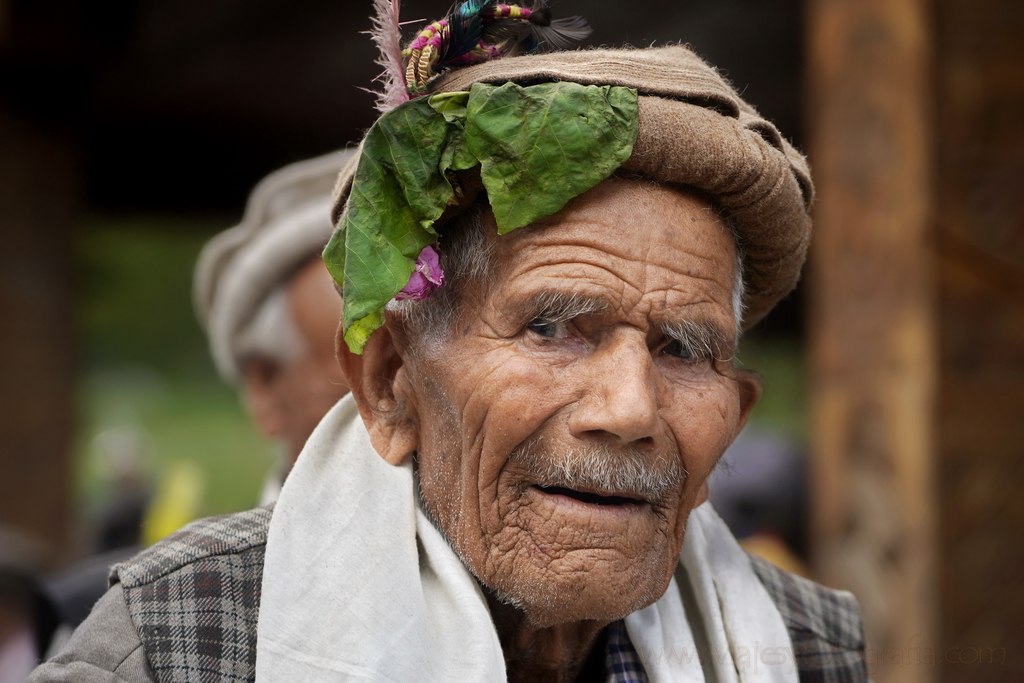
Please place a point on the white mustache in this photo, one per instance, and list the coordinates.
(602, 469)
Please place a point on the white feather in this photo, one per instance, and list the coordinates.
(387, 36)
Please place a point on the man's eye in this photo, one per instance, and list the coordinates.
(549, 329)
(677, 349)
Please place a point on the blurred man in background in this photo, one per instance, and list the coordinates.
(270, 310)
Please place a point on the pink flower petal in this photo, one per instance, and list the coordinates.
(426, 277)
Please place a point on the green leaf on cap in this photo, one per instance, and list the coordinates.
(397, 195)
(451, 105)
(540, 146)
(537, 147)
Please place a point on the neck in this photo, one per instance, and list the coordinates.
(562, 653)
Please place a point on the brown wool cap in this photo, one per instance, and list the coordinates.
(694, 131)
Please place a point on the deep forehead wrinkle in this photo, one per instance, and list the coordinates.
(587, 259)
(592, 239)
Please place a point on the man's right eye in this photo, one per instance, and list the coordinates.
(546, 328)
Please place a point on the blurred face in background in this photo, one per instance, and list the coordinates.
(288, 398)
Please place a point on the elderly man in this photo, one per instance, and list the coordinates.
(546, 261)
(270, 309)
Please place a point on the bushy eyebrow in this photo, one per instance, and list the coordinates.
(560, 307)
(703, 338)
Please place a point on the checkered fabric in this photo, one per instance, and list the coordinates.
(621, 661)
(194, 598)
(824, 626)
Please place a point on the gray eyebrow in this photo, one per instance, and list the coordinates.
(702, 337)
(560, 307)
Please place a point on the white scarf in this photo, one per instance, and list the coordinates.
(357, 584)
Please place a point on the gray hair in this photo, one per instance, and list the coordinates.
(466, 259)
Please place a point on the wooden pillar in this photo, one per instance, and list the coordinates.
(40, 183)
(871, 324)
(37, 201)
(917, 328)
(980, 247)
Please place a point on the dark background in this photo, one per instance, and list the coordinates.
(184, 104)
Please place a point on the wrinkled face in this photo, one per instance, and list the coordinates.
(565, 430)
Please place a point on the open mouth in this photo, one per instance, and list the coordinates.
(588, 497)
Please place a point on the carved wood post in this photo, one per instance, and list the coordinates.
(979, 242)
(37, 208)
(917, 328)
(872, 331)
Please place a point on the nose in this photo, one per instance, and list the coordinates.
(619, 401)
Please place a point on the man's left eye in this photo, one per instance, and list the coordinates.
(548, 329)
(677, 349)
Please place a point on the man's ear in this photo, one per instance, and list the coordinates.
(373, 377)
(261, 398)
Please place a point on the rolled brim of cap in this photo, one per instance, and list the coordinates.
(286, 224)
(694, 131)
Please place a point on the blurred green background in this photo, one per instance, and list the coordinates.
(150, 401)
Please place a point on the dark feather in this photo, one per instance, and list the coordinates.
(561, 34)
(541, 12)
(472, 23)
(466, 27)
(505, 31)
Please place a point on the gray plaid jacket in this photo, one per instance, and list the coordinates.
(192, 604)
